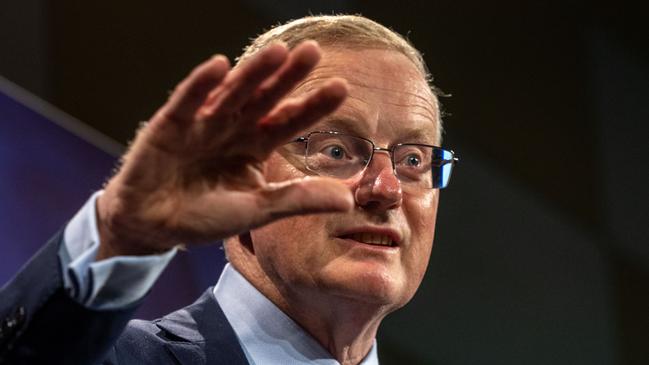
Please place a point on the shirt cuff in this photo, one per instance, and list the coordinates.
(108, 284)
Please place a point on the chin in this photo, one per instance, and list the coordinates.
(369, 284)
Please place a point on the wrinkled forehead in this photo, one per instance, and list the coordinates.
(388, 97)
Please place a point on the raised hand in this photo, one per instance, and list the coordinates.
(194, 172)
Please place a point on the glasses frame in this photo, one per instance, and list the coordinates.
(389, 151)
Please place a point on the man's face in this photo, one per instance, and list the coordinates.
(389, 102)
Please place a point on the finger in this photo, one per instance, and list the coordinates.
(300, 62)
(305, 196)
(240, 84)
(193, 90)
(294, 115)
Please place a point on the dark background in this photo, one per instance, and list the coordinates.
(542, 251)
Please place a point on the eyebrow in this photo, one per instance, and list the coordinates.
(343, 125)
(353, 127)
(418, 136)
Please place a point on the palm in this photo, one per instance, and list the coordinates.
(194, 173)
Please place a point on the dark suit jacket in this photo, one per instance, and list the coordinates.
(40, 324)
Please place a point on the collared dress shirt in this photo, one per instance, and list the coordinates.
(266, 334)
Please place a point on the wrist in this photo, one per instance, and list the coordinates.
(122, 235)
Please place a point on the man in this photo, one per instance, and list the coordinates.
(345, 127)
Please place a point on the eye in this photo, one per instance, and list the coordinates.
(336, 152)
(412, 157)
(413, 160)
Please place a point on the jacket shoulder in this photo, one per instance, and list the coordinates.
(143, 342)
(196, 334)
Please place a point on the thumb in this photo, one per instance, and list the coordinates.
(306, 196)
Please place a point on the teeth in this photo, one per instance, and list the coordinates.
(372, 239)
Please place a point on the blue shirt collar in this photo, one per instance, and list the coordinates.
(267, 335)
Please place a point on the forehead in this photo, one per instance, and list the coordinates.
(389, 99)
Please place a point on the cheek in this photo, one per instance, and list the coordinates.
(291, 249)
(421, 213)
(277, 168)
(294, 249)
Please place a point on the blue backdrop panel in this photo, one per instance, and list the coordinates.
(46, 174)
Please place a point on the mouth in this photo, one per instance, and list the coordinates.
(373, 239)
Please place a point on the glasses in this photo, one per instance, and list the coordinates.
(339, 155)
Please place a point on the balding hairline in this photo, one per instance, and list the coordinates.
(345, 32)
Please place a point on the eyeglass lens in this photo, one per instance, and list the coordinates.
(343, 156)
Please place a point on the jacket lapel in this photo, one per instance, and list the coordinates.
(204, 335)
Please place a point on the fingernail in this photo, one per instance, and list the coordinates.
(312, 41)
(219, 57)
(279, 43)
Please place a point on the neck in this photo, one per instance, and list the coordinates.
(345, 327)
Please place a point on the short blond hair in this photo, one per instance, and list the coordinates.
(344, 31)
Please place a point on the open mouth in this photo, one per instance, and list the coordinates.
(374, 239)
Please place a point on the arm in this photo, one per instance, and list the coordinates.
(192, 175)
(71, 298)
(47, 326)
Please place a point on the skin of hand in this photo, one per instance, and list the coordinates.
(193, 174)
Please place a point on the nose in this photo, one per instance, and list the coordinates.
(378, 187)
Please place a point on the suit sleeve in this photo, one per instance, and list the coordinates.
(41, 324)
